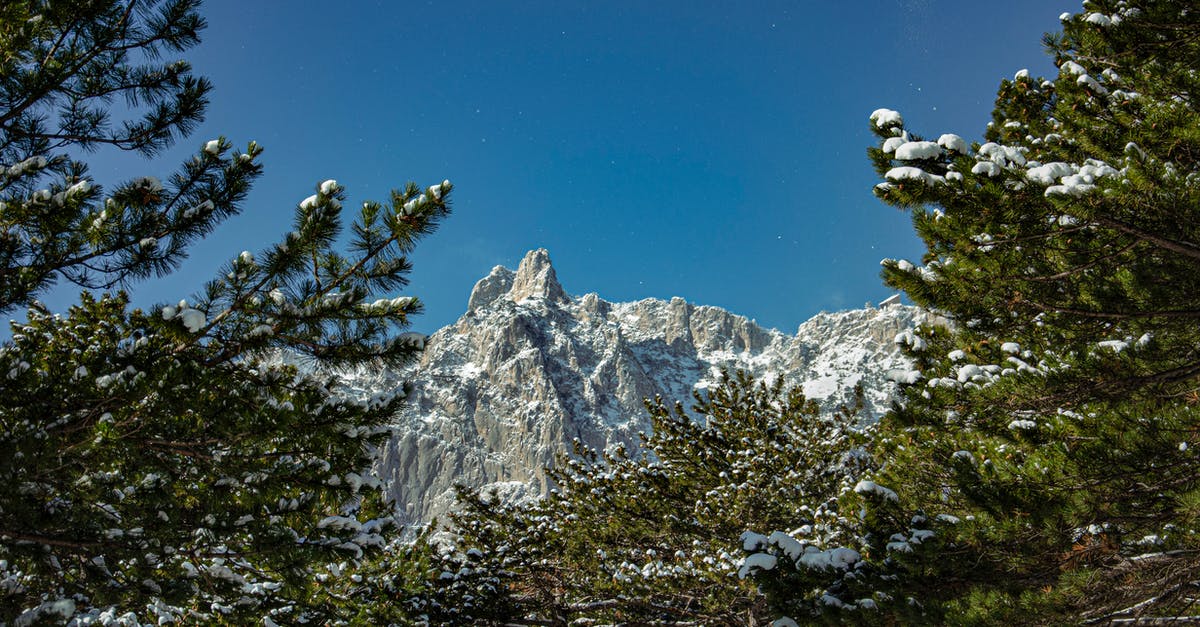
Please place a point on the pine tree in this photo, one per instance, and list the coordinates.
(658, 537)
(166, 464)
(1049, 438)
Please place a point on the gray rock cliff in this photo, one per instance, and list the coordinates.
(528, 368)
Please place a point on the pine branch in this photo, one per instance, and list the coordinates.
(1184, 248)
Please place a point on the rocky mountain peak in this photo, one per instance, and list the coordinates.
(529, 369)
(535, 278)
(495, 285)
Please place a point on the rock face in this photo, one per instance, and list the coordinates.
(499, 394)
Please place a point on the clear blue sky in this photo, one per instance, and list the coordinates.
(709, 150)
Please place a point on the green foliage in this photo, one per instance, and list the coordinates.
(657, 537)
(1057, 421)
(170, 464)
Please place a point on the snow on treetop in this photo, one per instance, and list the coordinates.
(918, 150)
(436, 190)
(213, 146)
(950, 141)
(883, 118)
(329, 187)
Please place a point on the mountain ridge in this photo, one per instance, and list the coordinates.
(528, 368)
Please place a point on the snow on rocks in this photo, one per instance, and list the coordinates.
(545, 338)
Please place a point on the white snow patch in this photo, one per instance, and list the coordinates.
(953, 142)
(910, 173)
(883, 118)
(193, 319)
(918, 150)
(866, 487)
(757, 561)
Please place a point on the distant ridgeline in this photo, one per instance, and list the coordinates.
(529, 368)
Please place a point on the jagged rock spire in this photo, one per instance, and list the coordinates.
(495, 285)
(535, 278)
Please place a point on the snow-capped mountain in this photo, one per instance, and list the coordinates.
(528, 368)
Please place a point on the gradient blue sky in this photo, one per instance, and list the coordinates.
(709, 150)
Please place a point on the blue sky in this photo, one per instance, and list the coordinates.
(710, 150)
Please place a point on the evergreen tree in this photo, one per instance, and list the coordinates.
(166, 464)
(1049, 437)
(658, 538)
